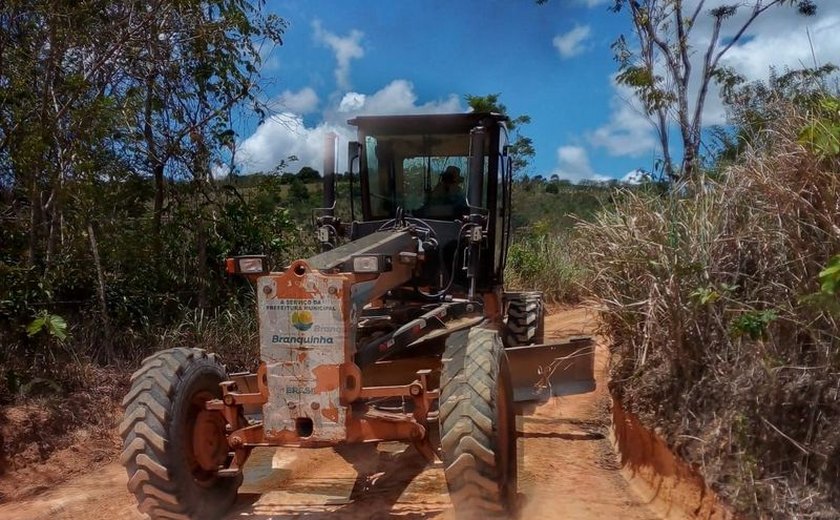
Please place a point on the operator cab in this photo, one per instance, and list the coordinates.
(419, 168)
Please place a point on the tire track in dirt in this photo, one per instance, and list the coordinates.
(567, 470)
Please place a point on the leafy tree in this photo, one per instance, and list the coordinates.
(198, 63)
(659, 64)
(58, 67)
(521, 147)
(753, 106)
(308, 174)
(114, 116)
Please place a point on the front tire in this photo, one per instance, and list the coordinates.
(525, 319)
(478, 425)
(173, 446)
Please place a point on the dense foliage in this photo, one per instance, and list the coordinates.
(116, 118)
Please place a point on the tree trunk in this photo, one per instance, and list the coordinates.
(160, 187)
(201, 168)
(108, 350)
(203, 282)
(668, 163)
(154, 158)
(34, 221)
(689, 162)
(53, 211)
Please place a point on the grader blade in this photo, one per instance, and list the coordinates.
(565, 367)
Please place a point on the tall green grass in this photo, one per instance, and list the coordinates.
(544, 261)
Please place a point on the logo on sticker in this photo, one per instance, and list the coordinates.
(302, 320)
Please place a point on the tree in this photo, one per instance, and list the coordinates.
(199, 62)
(308, 174)
(521, 148)
(114, 114)
(660, 66)
(59, 64)
(753, 106)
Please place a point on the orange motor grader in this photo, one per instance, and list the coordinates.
(400, 327)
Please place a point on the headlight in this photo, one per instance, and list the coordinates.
(371, 264)
(246, 265)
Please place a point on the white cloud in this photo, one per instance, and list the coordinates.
(593, 3)
(628, 132)
(351, 102)
(635, 177)
(782, 46)
(303, 101)
(573, 165)
(779, 38)
(397, 97)
(283, 136)
(571, 43)
(287, 134)
(346, 48)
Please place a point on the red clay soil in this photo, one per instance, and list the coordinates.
(30, 472)
(568, 470)
(671, 486)
(46, 441)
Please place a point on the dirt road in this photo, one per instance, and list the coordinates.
(567, 470)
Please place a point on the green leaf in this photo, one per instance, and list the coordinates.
(36, 325)
(753, 324)
(53, 324)
(830, 276)
(729, 288)
(57, 327)
(705, 295)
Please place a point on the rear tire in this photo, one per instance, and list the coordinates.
(525, 319)
(171, 477)
(478, 426)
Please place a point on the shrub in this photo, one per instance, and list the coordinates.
(721, 333)
(546, 262)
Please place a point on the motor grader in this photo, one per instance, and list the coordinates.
(399, 330)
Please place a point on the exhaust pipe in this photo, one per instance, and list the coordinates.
(329, 173)
(476, 193)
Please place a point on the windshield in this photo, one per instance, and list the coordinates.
(426, 175)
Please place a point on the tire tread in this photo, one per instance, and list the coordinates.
(467, 400)
(145, 427)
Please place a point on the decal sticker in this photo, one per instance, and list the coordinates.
(302, 341)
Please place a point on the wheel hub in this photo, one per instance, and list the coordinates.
(209, 442)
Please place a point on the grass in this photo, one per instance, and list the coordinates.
(546, 262)
(721, 333)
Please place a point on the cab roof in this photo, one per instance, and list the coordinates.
(459, 123)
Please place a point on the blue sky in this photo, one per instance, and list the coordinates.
(552, 62)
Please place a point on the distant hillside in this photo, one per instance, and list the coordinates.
(556, 205)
